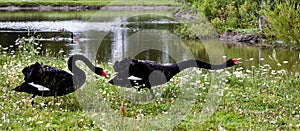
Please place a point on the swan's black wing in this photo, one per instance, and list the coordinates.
(146, 69)
(48, 76)
(58, 80)
(150, 73)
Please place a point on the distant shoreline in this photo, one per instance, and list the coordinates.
(83, 7)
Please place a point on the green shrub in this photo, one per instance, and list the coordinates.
(229, 14)
(283, 22)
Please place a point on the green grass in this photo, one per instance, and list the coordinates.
(70, 15)
(258, 98)
(87, 2)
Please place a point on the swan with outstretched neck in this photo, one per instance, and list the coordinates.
(146, 74)
(44, 80)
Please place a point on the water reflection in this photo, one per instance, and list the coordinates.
(150, 37)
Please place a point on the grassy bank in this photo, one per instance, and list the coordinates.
(85, 2)
(258, 98)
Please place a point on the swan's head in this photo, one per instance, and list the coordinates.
(100, 71)
(232, 62)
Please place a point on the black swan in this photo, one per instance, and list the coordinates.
(146, 74)
(44, 80)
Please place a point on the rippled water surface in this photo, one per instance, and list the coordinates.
(114, 35)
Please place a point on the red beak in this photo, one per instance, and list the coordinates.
(236, 61)
(103, 73)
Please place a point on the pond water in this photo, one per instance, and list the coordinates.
(114, 35)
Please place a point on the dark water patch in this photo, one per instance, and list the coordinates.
(10, 37)
(149, 25)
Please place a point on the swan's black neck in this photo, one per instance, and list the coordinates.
(79, 76)
(200, 64)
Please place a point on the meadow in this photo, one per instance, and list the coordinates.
(257, 98)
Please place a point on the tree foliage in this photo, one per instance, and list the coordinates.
(281, 16)
(229, 13)
(283, 22)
